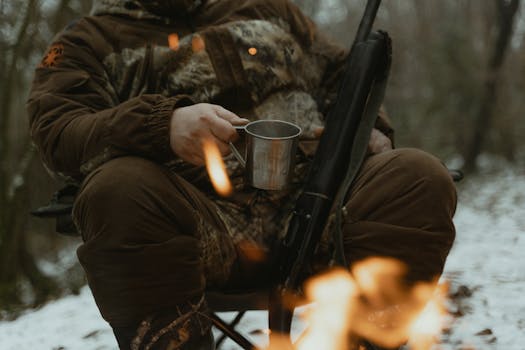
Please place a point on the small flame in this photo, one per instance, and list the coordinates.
(430, 323)
(216, 169)
(173, 41)
(377, 277)
(197, 43)
(329, 319)
(372, 303)
(252, 51)
(387, 307)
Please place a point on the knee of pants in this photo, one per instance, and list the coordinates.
(140, 252)
(403, 181)
(134, 197)
(424, 180)
(403, 207)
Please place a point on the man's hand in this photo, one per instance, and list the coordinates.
(379, 142)
(189, 126)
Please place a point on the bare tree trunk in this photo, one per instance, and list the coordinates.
(5, 107)
(506, 16)
(59, 20)
(6, 102)
(16, 262)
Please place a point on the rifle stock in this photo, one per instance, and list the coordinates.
(340, 153)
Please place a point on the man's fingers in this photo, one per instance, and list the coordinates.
(230, 116)
(224, 113)
(318, 132)
(378, 142)
(195, 157)
(223, 130)
(387, 146)
(224, 148)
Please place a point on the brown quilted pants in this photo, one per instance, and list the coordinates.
(153, 243)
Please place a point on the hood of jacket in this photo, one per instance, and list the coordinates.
(146, 9)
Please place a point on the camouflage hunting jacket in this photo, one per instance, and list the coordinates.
(110, 81)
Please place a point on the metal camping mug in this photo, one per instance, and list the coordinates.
(270, 151)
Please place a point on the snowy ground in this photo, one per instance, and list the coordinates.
(486, 269)
(487, 265)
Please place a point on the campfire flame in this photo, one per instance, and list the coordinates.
(373, 303)
(427, 327)
(216, 169)
(328, 320)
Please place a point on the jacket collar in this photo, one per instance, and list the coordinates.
(146, 9)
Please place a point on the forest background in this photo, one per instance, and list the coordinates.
(456, 90)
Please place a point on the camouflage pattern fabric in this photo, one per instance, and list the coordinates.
(176, 330)
(277, 75)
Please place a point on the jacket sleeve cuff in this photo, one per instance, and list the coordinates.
(158, 125)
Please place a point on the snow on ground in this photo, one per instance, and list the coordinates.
(486, 269)
(70, 323)
(487, 264)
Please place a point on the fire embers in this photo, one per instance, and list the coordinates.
(374, 304)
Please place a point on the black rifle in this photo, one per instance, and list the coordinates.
(341, 151)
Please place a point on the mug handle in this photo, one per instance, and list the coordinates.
(235, 151)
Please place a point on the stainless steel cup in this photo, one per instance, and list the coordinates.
(271, 147)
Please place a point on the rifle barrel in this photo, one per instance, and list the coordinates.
(367, 21)
(365, 64)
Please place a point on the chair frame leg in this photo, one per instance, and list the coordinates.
(229, 331)
(231, 325)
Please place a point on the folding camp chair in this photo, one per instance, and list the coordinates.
(242, 303)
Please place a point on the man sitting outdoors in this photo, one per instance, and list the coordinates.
(121, 104)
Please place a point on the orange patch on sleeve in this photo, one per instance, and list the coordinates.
(53, 56)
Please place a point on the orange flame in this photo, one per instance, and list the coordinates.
(329, 319)
(252, 51)
(216, 169)
(173, 41)
(372, 303)
(429, 324)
